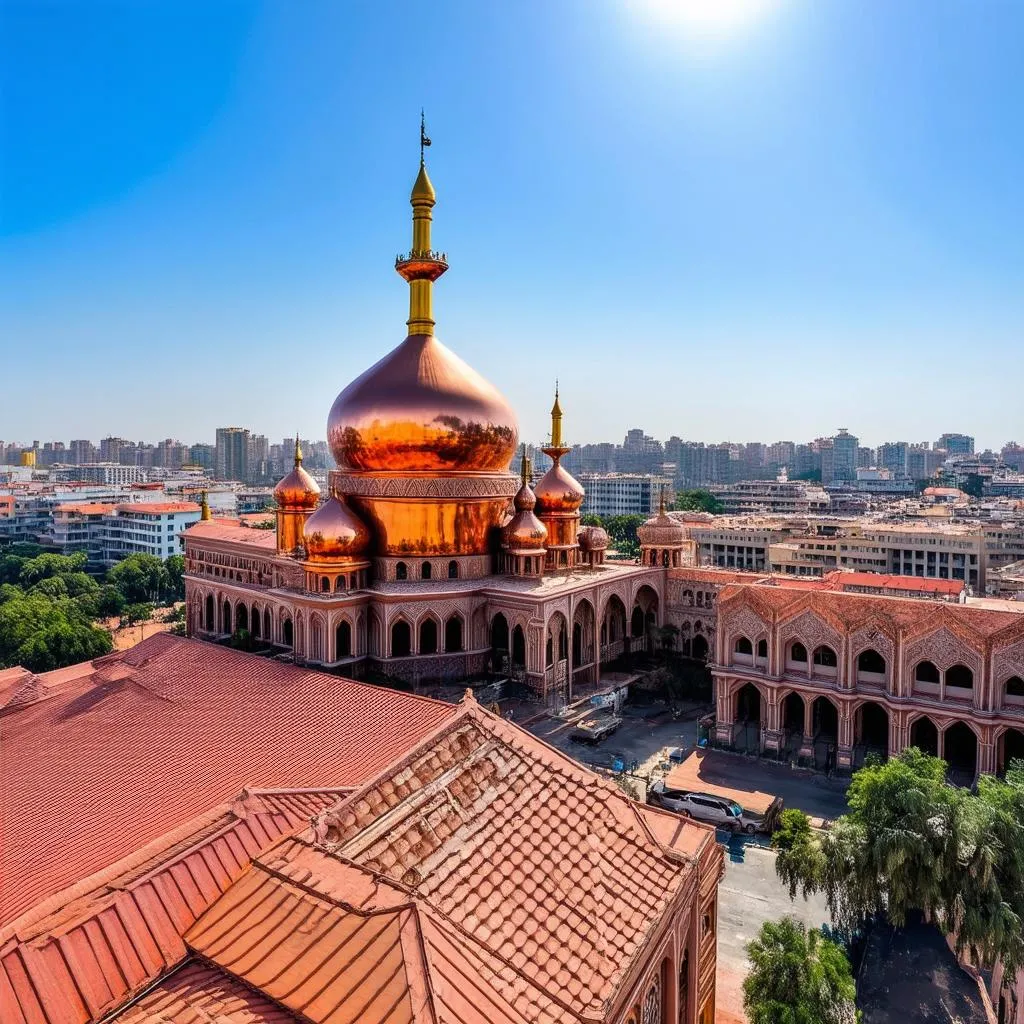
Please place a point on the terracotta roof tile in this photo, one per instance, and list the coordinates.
(198, 994)
(158, 734)
(231, 530)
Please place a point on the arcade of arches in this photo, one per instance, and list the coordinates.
(839, 731)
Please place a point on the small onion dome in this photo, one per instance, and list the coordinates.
(593, 538)
(558, 491)
(524, 532)
(335, 531)
(662, 531)
(298, 491)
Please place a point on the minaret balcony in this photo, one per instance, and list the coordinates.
(421, 264)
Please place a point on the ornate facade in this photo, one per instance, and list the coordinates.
(428, 559)
(797, 671)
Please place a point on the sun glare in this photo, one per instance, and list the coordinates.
(711, 17)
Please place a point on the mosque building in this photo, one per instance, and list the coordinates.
(429, 559)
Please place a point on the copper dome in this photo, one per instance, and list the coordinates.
(421, 409)
(524, 531)
(335, 531)
(298, 491)
(593, 538)
(558, 491)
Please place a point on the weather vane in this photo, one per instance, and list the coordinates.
(424, 141)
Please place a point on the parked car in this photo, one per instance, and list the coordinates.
(714, 810)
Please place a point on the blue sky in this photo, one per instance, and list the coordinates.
(812, 220)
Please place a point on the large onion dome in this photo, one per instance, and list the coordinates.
(335, 531)
(421, 409)
(298, 491)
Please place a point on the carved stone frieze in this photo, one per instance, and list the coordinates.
(811, 631)
(944, 650)
(483, 485)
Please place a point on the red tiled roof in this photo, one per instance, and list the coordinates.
(154, 735)
(158, 507)
(893, 582)
(230, 530)
(85, 508)
(200, 994)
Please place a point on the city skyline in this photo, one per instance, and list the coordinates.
(752, 235)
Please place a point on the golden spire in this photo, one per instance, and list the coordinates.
(556, 421)
(421, 267)
(524, 467)
(204, 507)
(298, 452)
(661, 509)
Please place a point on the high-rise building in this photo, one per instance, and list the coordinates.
(956, 444)
(893, 456)
(110, 448)
(844, 457)
(232, 455)
(81, 451)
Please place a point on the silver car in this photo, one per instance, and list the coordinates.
(715, 810)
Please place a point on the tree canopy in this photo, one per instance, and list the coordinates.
(912, 842)
(797, 976)
(699, 500)
(140, 578)
(43, 633)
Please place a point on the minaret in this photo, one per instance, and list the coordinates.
(204, 508)
(421, 266)
(559, 496)
(297, 495)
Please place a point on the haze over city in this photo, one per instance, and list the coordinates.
(758, 228)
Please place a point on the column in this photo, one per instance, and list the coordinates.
(771, 733)
(844, 748)
(723, 712)
(806, 754)
(987, 747)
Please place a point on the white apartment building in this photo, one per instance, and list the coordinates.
(623, 494)
(102, 473)
(148, 528)
(108, 533)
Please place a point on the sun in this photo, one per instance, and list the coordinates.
(710, 17)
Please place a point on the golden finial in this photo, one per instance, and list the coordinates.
(524, 467)
(661, 509)
(556, 421)
(204, 507)
(298, 452)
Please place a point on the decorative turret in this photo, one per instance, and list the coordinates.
(296, 497)
(664, 541)
(421, 266)
(204, 507)
(559, 496)
(523, 536)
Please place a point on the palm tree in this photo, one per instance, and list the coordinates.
(797, 976)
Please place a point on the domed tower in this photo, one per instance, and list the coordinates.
(664, 541)
(559, 496)
(296, 496)
(522, 537)
(421, 440)
(336, 541)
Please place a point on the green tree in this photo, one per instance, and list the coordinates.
(139, 577)
(174, 566)
(590, 520)
(912, 842)
(10, 568)
(41, 633)
(797, 976)
(699, 500)
(972, 485)
(622, 532)
(47, 566)
(141, 611)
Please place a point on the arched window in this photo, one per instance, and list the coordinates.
(871, 661)
(651, 1011)
(453, 634)
(325, 584)
(266, 623)
(227, 617)
(825, 656)
(762, 648)
(550, 652)
(797, 652)
(428, 636)
(288, 633)
(926, 672)
(339, 583)
(254, 618)
(684, 986)
(401, 571)
(960, 676)
(1015, 687)
(453, 570)
(401, 639)
(210, 627)
(563, 643)
(425, 570)
(743, 646)
(343, 640)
